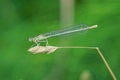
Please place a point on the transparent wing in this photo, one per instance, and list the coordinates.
(67, 30)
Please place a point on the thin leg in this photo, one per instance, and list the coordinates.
(46, 42)
(37, 42)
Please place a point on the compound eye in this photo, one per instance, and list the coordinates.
(30, 39)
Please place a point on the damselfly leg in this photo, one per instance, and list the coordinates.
(39, 43)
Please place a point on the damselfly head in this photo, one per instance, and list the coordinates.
(30, 39)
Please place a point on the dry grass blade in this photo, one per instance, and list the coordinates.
(50, 49)
(102, 57)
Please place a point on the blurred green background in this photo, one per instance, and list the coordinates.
(21, 19)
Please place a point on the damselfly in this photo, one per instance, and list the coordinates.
(67, 30)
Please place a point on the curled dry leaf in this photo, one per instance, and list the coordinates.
(37, 49)
(51, 49)
(42, 49)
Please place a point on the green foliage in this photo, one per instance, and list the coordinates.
(22, 19)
